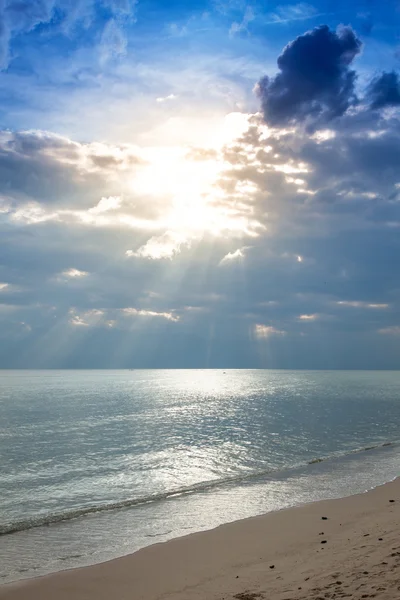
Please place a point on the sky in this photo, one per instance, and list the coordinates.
(203, 184)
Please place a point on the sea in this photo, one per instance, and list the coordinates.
(98, 464)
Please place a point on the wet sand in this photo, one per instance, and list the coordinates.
(346, 548)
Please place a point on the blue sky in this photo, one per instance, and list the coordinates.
(203, 184)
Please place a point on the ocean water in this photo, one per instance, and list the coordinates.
(97, 464)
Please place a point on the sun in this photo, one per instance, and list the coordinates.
(187, 183)
(170, 172)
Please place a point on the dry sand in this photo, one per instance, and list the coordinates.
(291, 554)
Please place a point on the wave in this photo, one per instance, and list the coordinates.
(356, 451)
(46, 520)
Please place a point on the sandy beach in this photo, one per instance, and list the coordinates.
(345, 548)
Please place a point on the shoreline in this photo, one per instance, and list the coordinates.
(53, 519)
(42, 551)
(251, 558)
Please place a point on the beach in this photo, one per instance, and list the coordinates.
(343, 548)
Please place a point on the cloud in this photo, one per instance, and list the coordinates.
(86, 318)
(21, 16)
(162, 99)
(238, 254)
(74, 273)
(176, 196)
(113, 41)
(360, 304)
(266, 331)
(79, 12)
(115, 317)
(315, 80)
(392, 330)
(384, 91)
(50, 169)
(24, 16)
(248, 17)
(169, 316)
(122, 8)
(69, 206)
(106, 205)
(5, 35)
(292, 12)
(164, 246)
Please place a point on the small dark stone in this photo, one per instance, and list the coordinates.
(324, 518)
(306, 579)
(365, 573)
(299, 588)
(338, 583)
(380, 539)
(322, 533)
(237, 576)
(384, 563)
(366, 534)
(323, 541)
(391, 500)
(272, 566)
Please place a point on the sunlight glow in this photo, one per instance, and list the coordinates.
(178, 194)
(189, 188)
(167, 172)
(289, 168)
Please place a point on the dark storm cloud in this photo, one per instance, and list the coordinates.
(315, 79)
(384, 91)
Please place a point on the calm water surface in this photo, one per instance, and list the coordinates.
(96, 464)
